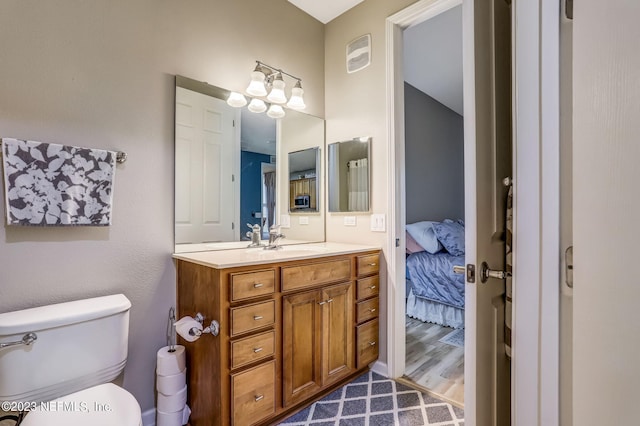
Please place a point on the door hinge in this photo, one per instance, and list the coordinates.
(471, 273)
(568, 9)
(233, 178)
(233, 123)
(233, 225)
(568, 264)
(397, 242)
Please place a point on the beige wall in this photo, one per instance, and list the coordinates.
(100, 74)
(297, 132)
(355, 105)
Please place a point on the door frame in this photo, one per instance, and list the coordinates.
(536, 40)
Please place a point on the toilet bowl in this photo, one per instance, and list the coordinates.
(58, 361)
(102, 405)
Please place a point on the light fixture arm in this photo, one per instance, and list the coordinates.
(274, 70)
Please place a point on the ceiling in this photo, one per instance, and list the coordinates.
(325, 10)
(433, 58)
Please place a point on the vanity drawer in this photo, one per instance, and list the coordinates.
(368, 264)
(368, 287)
(251, 317)
(367, 343)
(253, 394)
(252, 284)
(367, 310)
(249, 349)
(294, 277)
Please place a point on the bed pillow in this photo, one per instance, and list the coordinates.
(451, 236)
(424, 235)
(412, 245)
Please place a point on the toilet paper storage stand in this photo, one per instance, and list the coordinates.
(213, 328)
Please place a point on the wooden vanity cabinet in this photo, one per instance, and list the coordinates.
(289, 332)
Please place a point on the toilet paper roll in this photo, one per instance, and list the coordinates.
(170, 363)
(169, 419)
(184, 327)
(172, 384)
(172, 403)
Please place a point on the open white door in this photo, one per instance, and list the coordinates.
(606, 208)
(487, 152)
(205, 162)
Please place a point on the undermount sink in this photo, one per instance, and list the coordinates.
(282, 251)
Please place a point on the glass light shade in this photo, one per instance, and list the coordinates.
(296, 101)
(277, 91)
(256, 87)
(236, 100)
(257, 105)
(275, 111)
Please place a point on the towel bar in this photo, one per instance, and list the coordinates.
(121, 156)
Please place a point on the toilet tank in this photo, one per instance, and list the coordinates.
(79, 344)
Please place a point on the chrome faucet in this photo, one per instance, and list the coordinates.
(254, 234)
(274, 237)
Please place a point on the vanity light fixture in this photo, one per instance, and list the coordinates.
(236, 100)
(275, 111)
(257, 105)
(267, 83)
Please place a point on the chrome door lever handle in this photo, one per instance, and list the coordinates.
(486, 273)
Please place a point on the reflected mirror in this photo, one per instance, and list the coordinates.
(303, 180)
(226, 172)
(348, 175)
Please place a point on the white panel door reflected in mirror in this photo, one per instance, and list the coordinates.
(349, 171)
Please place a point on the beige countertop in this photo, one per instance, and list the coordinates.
(256, 256)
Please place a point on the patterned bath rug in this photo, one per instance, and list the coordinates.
(374, 400)
(455, 338)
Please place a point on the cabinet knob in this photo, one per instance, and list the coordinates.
(258, 397)
(256, 350)
(257, 285)
(372, 343)
(257, 317)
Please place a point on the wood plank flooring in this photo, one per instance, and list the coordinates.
(436, 366)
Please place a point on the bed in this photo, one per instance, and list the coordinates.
(434, 292)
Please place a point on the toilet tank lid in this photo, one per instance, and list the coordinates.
(49, 316)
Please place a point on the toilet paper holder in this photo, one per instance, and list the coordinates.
(213, 328)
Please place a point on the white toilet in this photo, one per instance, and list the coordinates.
(65, 372)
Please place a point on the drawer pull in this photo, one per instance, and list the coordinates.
(330, 300)
(257, 317)
(322, 303)
(258, 397)
(372, 310)
(256, 350)
(372, 264)
(372, 287)
(257, 285)
(372, 343)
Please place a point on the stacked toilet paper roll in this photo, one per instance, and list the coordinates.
(171, 384)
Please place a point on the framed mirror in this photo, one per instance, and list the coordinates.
(304, 176)
(349, 175)
(226, 171)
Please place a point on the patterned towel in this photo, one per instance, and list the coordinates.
(52, 185)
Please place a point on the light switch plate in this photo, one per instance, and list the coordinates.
(378, 223)
(350, 221)
(303, 220)
(285, 221)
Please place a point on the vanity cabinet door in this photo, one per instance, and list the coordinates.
(337, 333)
(302, 340)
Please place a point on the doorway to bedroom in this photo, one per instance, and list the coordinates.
(434, 194)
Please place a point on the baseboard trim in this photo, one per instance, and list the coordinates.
(380, 368)
(149, 417)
